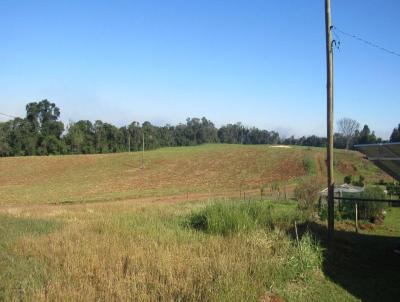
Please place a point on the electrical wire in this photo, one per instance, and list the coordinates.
(8, 115)
(335, 28)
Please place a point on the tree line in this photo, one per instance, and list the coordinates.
(42, 133)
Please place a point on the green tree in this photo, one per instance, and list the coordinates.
(365, 136)
(135, 133)
(395, 136)
(5, 149)
(45, 129)
(80, 137)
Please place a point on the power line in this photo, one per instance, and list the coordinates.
(365, 41)
(8, 115)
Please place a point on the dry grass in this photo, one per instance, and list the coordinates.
(138, 247)
(211, 170)
(143, 252)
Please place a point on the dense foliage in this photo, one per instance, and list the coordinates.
(42, 133)
(395, 137)
(371, 210)
(366, 210)
(393, 189)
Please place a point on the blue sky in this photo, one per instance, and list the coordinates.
(259, 62)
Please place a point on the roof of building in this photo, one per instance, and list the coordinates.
(386, 156)
(345, 188)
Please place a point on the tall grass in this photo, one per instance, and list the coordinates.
(132, 252)
(228, 217)
(309, 164)
(16, 269)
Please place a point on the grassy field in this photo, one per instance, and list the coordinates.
(239, 251)
(97, 227)
(201, 172)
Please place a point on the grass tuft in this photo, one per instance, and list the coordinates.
(307, 257)
(228, 217)
(309, 164)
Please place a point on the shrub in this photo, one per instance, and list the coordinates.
(372, 210)
(367, 210)
(307, 192)
(348, 179)
(359, 182)
(393, 189)
(323, 212)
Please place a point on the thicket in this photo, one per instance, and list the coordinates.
(393, 189)
(372, 210)
(307, 193)
(367, 210)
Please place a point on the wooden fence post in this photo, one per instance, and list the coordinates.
(356, 217)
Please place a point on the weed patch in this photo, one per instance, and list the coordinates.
(228, 217)
(19, 272)
(309, 164)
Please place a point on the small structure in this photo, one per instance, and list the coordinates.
(344, 190)
(339, 190)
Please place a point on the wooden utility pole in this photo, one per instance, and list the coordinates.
(329, 91)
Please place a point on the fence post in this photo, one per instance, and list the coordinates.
(356, 217)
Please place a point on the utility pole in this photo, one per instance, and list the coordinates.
(329, 149)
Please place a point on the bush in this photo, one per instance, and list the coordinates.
(393, 189)
(323, 212)
(348, 179)
(307, 193)
(372, 210)
(359, 182)
(367, 210)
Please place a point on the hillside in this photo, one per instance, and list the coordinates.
(98, 227)
(177, 173)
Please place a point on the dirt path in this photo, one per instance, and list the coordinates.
(320, 163)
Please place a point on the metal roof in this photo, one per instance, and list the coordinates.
(386, 156)
(344, 188)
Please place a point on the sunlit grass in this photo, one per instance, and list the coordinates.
(146, 252)
(209, 169)
(58, 241)
(226, 218)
